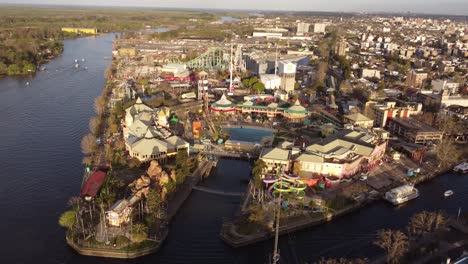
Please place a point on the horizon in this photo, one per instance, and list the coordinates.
(461, 12)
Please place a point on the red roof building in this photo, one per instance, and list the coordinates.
(93, 184)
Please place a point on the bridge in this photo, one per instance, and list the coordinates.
(218, 192)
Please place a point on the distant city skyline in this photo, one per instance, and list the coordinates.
(446, 7)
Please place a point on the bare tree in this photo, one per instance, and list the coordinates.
(94, 125)
(395, 243)
(88, 144)
(426, 222)
(99, 105)
(447, 153)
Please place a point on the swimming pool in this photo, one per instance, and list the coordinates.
(248, 134)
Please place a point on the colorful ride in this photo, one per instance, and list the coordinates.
(286, 184)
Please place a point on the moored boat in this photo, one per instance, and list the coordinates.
(462, 167)
(401, 194)
(448, 193)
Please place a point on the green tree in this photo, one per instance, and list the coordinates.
(139, 233)
(68, 219)
(257, 172)
(13, 69)
(258, 87)
(182, 165)
(29, 68)
(153, 201)
(3, 68)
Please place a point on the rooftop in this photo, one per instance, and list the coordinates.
(414, 124)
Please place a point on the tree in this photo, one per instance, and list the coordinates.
(395, 243)
(29, 68)
(257, 172)
(3, 68)
(88, 144)
(94, 125)
(447, 153)
(13, 69)
(426, 222)
(99, 105)
(182, 166)
(258, 87)
(139, 233)
(68, 219)
(153, 201)
(256, 214)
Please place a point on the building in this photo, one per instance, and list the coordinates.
(287, 70)
(388, 110)
(267, 35)
(302, 28)
(127, 52)
(223, 105)
(340, 48)
(359, 120)
(319, 27)
(343, 154)
(415, 79)
(296, 113)
(147, 136)
(370, 73)
(414, 131)
(80, 30)
(445, 85)
(275, 158)
(271, 81)
(121, 211)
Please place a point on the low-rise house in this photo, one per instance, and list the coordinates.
(414, 131)
(359, 120)
(275, 158)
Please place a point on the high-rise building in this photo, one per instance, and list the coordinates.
(287, 71)
(415, 78)
(319, 27)
(302, 28)
(340, 48)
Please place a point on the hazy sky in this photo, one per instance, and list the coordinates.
(454, 7)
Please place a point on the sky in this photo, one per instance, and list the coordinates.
(451, 7)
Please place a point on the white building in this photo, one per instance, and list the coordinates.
(370, 73)
(445, 85)
(319, 27)
(271, 81)
(302, 28)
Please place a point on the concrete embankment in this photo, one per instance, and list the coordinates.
(232, 238)
(88, 249)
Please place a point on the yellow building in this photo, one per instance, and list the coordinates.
(127, 52)
(80, 30)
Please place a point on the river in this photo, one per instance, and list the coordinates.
(42, 125)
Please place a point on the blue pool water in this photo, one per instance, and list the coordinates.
(248, 134)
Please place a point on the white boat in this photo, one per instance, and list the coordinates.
(448, 193)
(77, 65)
(401, 194)
(462, 167)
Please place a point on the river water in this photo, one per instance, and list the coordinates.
(40, 159)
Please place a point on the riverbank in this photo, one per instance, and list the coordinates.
(231, 237)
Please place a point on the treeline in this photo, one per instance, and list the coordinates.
(23, 49)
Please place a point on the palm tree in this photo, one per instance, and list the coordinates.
(139, 233)
(257, 172)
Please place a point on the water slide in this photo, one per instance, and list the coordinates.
(287, 184)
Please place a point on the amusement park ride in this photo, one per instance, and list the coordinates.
(287, 184)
